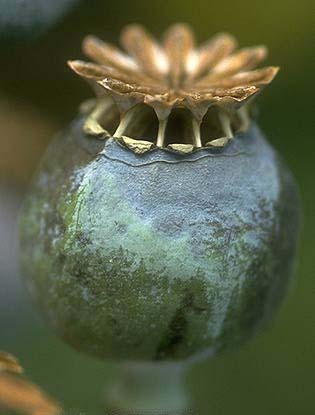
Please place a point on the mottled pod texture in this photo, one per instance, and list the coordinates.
(159, 256)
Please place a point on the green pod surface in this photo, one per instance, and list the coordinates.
(158, 256)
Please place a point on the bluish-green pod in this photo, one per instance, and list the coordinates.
(158, 256)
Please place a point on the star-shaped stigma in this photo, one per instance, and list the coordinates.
(176, 73)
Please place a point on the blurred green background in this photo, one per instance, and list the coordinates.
(275, 373)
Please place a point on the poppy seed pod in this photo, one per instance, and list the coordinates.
(161, 225)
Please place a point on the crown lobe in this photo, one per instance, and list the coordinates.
(176, 73)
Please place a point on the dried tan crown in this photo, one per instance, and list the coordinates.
(171, 76)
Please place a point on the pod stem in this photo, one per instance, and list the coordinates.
(148, 388)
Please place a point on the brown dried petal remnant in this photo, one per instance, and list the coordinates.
(175, 74)
(20, 395)
(9, 363)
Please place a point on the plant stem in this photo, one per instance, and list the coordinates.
(149, 389)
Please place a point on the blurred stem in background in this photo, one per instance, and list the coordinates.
(20, 19)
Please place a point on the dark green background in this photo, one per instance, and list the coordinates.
(275, 373)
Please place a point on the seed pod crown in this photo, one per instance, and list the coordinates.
(212, 84)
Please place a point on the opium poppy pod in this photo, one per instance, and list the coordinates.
(161, 225)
